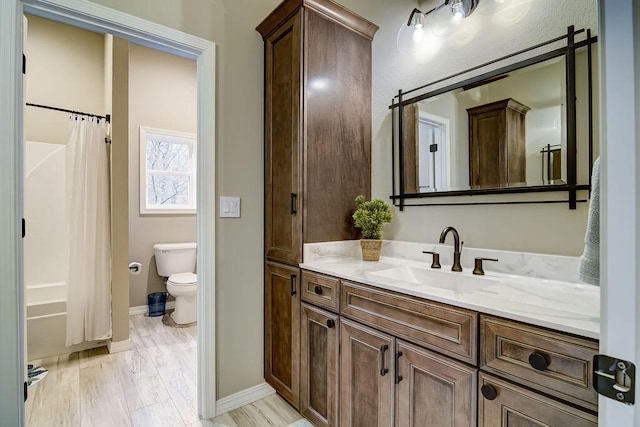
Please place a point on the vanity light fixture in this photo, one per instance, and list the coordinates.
(460, 9)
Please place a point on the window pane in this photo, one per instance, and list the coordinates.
(167, 156)
(167, 189)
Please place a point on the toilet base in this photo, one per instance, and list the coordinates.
(185, 310)
(167, 320)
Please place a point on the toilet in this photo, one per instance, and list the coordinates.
(177, 262)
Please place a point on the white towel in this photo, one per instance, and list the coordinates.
(589, 269)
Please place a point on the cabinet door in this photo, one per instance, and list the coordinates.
(502, 404)
(433, 390)
(282, 330)
(337, 125)
(319, 361)
(366, 376)
(283, 204)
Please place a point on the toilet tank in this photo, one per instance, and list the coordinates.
(174, 258)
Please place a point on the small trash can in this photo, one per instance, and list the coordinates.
(157, 302)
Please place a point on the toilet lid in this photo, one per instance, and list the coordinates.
(183, 279)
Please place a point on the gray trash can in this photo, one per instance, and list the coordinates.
(157, 302)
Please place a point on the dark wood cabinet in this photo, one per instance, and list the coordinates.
(433, 390)
(283, 148)
(447, 329)
(282, 330)
(563, 364)
(319, 365)
(317, 124)
(317, 154)
(497, 155)
(502, 404)
(366, 376)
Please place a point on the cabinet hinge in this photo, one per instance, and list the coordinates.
(614, 378)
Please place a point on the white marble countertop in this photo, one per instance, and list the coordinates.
(556, 304)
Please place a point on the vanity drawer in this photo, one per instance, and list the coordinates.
(501, 403)
(443, 328)
(563, 362)
(321, 290)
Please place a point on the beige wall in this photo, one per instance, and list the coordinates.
(119, 99)
(65, 68)
(239, 122)
(162, 94)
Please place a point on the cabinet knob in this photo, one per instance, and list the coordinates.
(318, 290)
(538, 361)
(330, 323)
(489, 392)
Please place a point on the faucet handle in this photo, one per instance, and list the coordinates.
(435, 262)
(477, 269)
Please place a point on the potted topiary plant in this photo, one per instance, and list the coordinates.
(371, 217)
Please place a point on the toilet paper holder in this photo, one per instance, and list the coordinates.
(135, 267)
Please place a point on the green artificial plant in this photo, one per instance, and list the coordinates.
(371, 217)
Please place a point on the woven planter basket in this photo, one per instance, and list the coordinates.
(371, 249)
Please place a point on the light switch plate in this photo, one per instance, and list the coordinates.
(229, 207)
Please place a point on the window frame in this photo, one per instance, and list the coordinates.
(175, 137)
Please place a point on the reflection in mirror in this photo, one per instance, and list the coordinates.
(507, 131)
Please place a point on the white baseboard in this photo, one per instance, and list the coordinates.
(144, 309)
(243, 397)
(118, 346)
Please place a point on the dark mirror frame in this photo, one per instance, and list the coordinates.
(400, 197)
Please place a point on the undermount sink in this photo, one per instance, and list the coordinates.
(456, 282)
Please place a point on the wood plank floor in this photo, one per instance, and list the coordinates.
(154, 384)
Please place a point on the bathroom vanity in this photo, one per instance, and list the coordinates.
(397, 343)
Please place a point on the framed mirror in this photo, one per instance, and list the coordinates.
(521, 128)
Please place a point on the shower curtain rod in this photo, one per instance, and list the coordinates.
(80, 113)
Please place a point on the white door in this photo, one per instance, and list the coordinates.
(619, 30)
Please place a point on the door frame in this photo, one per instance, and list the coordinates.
(91, 16)
(618, 31)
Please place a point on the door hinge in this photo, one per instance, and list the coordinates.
(26, 391)
(614, 378)
(24, 228)
(24, 64)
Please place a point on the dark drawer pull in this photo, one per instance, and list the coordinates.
(293, 285)
(317, 290)
(293, 203)
(489, 392)
(398, 376)
(330, 323)
(538, 361)
(383, 349)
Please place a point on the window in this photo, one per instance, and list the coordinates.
(167, 172)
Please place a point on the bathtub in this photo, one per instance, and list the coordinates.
(47, 321)
(46, 251)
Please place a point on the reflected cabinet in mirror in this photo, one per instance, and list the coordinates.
(526, 127)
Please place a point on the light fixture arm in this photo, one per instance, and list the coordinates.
(413, 13)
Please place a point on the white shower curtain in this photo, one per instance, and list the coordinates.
(88, 213)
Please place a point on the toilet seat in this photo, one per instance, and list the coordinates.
(183, 279)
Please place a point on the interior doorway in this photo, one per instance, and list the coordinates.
(103, 20)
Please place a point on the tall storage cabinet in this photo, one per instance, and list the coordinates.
(317, 151)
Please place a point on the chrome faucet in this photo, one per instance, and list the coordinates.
(457, 246)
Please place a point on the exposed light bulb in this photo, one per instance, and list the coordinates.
(418, 34)
(457, 9)
(419, 21)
